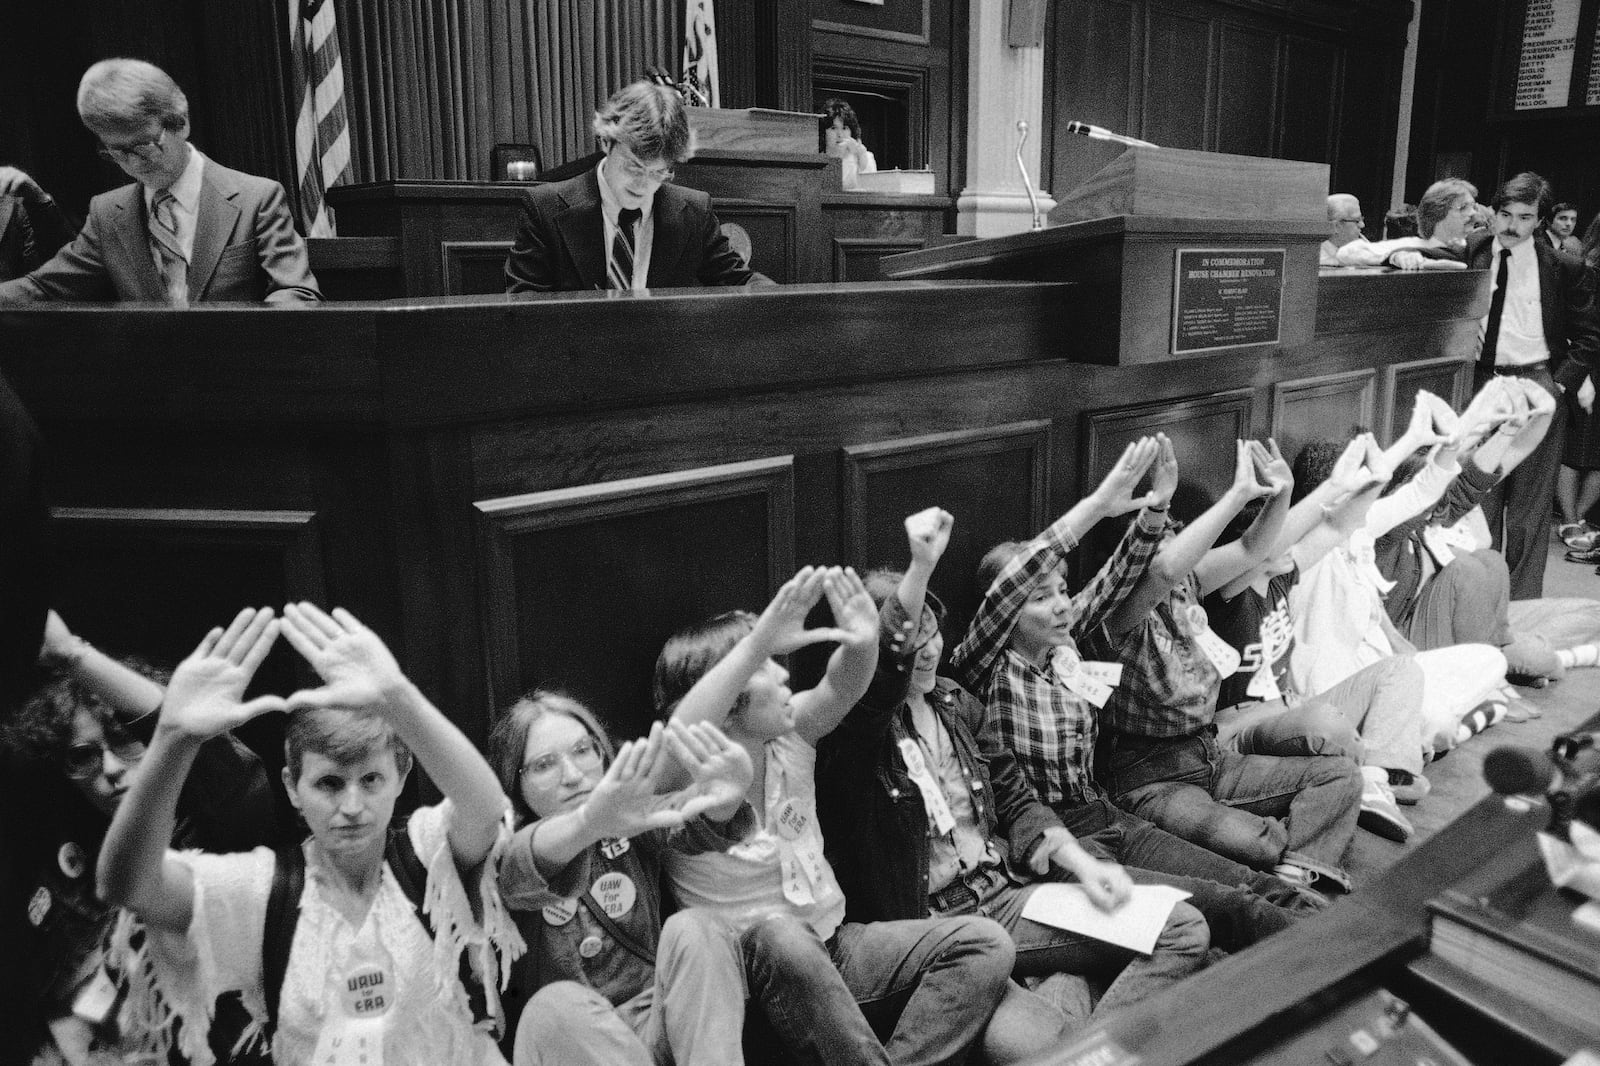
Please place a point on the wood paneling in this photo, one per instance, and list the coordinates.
(1327, 405)
(995, 480)
(856, 258)
(1306, 81)
(1446, 377)
(1202, 430)
(472, 267)
(549, 561)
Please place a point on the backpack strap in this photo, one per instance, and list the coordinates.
(627, 942)
(283, 914)
(412, 877)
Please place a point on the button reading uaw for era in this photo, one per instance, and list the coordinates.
(589, 947)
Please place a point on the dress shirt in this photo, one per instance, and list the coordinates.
(1522, 341)
(642, 233)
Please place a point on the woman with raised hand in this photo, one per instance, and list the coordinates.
(366, 955)
(610, 982)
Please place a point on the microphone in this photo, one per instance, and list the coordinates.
(1033, 201)
(1100, 133)
(1569, 775)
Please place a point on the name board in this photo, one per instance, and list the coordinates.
(1549, 45)
(1226, 298)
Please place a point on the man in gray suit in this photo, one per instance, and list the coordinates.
(187, 229)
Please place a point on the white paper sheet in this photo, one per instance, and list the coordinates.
(1137, 924)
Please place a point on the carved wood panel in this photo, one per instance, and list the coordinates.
(582, 585)
(994, 480)
(1448, 378)
(1329, 405)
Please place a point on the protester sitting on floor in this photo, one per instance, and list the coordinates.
(610, 982)
(1293, 814)
(363, 957)
(914, 735)
(82, 739)
(1019, 656)
(955, 970)
(1341, 625)
(1260, 710)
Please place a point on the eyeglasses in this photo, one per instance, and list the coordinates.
(546, 769)
(144, 150)
(635, 169)
(84, 762)
(1358, 220)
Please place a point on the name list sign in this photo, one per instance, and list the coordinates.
(1226, 298)
(1549, 41)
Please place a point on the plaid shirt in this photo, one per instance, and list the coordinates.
(1051, 730)
(1169, 686)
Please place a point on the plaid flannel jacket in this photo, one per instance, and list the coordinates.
(1051, 730)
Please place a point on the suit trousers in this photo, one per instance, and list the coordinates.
(1523, 501)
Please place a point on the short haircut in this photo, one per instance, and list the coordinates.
(1563, 206)
(834, 108)
(1524, 188)
(1239, 523)
(341, 735)
(508, 741)
(647, 119)
(1440, 199)
(119, 95)
(1339, 201)
(994, 560)
(691, 652)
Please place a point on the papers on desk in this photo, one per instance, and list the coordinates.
(1137, 924)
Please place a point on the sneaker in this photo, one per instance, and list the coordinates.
(1583, 553)
(1380, 813)
(1302, 871)
(1408, 788)
(1523, 680)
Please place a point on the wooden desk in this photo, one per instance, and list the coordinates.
(537, 490)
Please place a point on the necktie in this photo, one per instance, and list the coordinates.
(621, 269)
(168, 249)
(1497, 307)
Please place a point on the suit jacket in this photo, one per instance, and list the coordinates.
(560, 241)
(245, 249)
(1571, 318)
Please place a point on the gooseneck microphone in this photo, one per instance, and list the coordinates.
(1033, 201)
(1100, 133)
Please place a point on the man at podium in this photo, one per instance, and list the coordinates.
(621, 225)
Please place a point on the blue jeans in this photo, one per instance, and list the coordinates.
(1240, 904)
(955, 969)
(1258, 809)
(810, 1007)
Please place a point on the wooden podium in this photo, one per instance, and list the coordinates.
(1178, 254)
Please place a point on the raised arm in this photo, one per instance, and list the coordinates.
(204, 699)
(928, 535)
(360, 674)
(1259, 473)
(817, 711)
(1334, 509)
(127, 692)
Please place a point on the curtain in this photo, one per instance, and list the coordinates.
(433, 85)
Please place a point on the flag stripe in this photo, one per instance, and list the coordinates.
(322, 131)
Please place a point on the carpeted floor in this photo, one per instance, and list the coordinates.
(1457, 779)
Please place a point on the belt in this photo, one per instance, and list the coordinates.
(1526, 370)
(968, 890)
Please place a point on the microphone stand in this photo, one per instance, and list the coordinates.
(1033, 201)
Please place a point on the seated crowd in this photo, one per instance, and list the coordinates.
(1217, 710)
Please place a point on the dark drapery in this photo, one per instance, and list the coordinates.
(433, 85)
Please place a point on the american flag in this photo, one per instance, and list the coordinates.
(700, 48)
(321, 134)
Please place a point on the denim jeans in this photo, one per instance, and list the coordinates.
(956, 970)
(1258, 809)
(1242, 905)
(694, 1012)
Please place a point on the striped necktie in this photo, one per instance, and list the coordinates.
(620, 272)
(168, 249)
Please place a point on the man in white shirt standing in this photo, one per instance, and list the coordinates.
(1542, 326)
